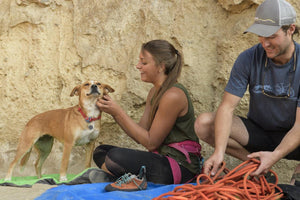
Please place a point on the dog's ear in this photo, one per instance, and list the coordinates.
(75, 91)
(107, 89)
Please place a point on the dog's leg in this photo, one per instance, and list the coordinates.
(12, 165)
(65, 161)
(89, 153)
(43, 147)
(23, 151)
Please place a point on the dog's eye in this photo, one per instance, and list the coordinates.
(98, 83)
(87, 84)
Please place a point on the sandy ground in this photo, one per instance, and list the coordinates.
(16, 193)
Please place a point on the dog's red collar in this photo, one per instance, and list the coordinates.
(88, 119)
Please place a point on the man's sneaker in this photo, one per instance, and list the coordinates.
(101, 176)
(129, 182)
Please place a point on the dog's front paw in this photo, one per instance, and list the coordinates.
(63, 178)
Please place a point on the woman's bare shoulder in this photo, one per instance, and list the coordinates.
(174, 94)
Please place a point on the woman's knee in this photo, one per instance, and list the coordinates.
(99, 154)
(113, 162)
(204, 126)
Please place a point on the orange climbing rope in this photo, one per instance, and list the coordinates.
(234, 185)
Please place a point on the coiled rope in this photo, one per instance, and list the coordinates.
(236, 184)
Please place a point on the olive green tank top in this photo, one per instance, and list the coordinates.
(182, 130)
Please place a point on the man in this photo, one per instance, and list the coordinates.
(271, 69)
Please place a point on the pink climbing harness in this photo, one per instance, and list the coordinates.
(184, 147)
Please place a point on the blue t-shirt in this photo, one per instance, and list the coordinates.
(272, 114)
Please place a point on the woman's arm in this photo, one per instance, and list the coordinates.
(172, 105)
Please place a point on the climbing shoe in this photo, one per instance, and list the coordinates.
(129, 182)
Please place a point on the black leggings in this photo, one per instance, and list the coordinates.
(122, 160)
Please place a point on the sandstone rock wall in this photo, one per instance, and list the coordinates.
(49, 46)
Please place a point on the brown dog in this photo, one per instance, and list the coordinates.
(78, 125)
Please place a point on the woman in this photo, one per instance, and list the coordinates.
(168, 119)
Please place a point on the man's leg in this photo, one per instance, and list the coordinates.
(204, 128)
(296, 175)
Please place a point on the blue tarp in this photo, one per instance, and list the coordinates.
(96, 191)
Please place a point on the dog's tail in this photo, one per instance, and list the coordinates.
(24, 159)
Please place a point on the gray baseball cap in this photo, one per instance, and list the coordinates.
(270, 16)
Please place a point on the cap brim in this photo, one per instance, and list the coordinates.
(262, 30)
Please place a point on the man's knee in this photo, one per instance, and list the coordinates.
(204, 126)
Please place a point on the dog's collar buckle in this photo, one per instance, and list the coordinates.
(88, 119)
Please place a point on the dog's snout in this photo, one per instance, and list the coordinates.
(94, 89)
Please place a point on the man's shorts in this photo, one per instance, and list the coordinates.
(261, 140)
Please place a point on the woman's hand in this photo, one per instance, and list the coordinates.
(108, 105)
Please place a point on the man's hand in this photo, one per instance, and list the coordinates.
(213, 163)
(267, 160)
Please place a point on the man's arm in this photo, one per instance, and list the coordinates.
(288, 144)
(223, 122)
(223, 125)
